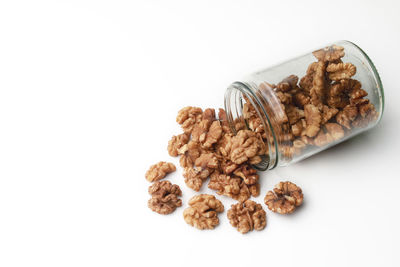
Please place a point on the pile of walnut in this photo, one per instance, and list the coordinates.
(209, 150)
(322, 108)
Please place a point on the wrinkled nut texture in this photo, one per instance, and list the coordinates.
(164, 198)
(202, 212)
(207, 160)
(246, 216)
(195, 177)
(188, 117)
(159, 171)
(318, 84)
(246, 145)
(330, 53)
(230, 186)
(285, 197)
(341, 71)
(313, 120)
(189, 153)
(247, 173)
(176, 143)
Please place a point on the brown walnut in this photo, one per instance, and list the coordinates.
(176, 143)
(202, 212)
(246, 216)
(195, 177)
(285, 197)
(164, 197)
(188, 117)
(159, 170)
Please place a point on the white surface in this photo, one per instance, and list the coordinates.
(89, 92)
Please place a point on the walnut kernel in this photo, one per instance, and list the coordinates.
(202, 212)
(246, 216)
(285, 197)
(164, 198)
(159, 170)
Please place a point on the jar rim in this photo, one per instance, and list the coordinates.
(234, 107)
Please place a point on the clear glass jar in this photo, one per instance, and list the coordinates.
(307, 104)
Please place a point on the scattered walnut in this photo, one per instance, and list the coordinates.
(231, 186)
(159, 170)
(224, 145)
(202, 212)
(285, 198)
(194, 178)
(228, 166)
(330, 53)
(246, 216)
(188, 117)
(176, 143)
(224, 121)
(247, 173)
(228, 186)
(209, 114)
(340, 71)
(254, 189)
(190, 152)
(207, 133)
(200, 130)
(164, 198)
(207, 160)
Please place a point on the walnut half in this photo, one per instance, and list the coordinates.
(246, 216)
(285, 198)
(202, 212)
(164, 197)
(159, 170)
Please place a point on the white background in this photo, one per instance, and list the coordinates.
(89, 91)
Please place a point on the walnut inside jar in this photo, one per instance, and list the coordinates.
(322, 107)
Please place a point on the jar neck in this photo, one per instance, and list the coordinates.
(235, 97)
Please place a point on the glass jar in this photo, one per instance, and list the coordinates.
(307, 104)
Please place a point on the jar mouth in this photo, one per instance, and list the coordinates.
(234, 101)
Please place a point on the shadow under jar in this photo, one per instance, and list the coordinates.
(307, 104)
